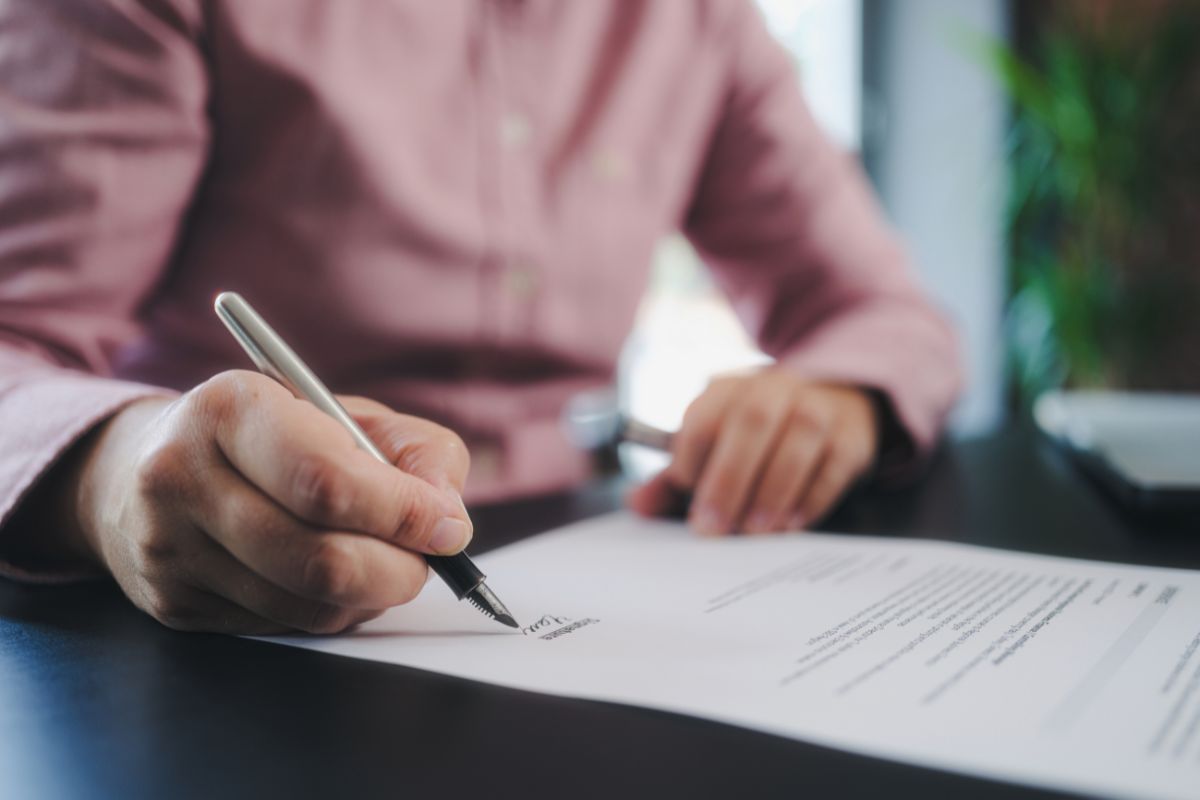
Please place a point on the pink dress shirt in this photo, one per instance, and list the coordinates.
(448, 206)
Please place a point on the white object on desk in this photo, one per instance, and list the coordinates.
(1059, 672)
(1152, 441)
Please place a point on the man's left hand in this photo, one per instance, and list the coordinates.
(766, 452)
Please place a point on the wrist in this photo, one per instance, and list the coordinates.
(95, 482)
(46, 530)
(59, 523)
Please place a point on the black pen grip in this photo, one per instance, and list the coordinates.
(458, 571)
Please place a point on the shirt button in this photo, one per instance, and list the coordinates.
(612, 166)
(514, 129)
(521, 280)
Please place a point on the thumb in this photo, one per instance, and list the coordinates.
(429, 519)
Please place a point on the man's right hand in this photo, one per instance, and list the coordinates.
(238, 508)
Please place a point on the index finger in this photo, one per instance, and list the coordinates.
(691, 445)
(419, 447)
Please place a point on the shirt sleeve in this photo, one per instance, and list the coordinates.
(789, 227)
(103, 134)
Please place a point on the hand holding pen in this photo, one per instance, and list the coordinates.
(238, 508)
(446, 529)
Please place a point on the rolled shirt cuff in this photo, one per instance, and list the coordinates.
(44, 416)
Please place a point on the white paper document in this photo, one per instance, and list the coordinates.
(1057, 672)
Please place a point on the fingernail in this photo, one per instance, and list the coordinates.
(759, 522)
(707, 522)
(450, 535)
(796, 523)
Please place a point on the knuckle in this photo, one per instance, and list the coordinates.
(329, 572)
(243, 512)
(318, 489)
(435, 441)
(809, 419)
(219, 396)
(164, 470)
(755, 413)
(155, 551)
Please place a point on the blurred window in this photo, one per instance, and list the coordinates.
(686, 331)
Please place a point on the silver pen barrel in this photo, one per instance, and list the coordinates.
(275, 359)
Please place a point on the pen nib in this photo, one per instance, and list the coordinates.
(486, 601)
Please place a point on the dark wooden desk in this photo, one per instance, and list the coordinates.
(97, 700)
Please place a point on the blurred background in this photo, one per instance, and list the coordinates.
(1041, 159)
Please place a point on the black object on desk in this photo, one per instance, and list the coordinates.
(98, 700)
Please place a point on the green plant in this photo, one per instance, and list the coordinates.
(1104, 164)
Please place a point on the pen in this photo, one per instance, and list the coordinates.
(593, 420)
(275, 359)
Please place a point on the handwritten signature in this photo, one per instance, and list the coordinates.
(558, 626)
(547, 621)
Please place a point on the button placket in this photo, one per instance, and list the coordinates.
(514, 281)
(515, 130)
(521, 280)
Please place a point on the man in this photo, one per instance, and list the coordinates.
(448, 207)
